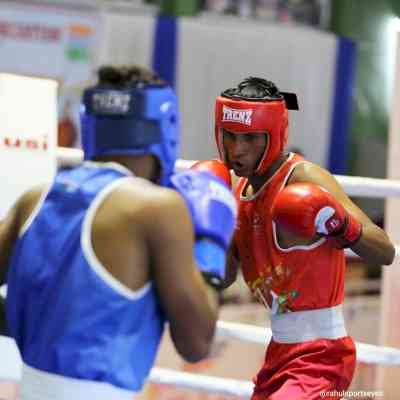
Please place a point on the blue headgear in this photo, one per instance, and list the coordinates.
(131, 121)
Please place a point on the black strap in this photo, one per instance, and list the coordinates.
(3, 325)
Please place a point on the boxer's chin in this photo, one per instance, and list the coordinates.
(241, 169)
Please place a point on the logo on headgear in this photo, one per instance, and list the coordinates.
(235, 115)
(111, 102)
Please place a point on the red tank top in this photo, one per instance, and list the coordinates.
(293, 279)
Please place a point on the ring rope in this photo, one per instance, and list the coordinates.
(371, 354)
(366, 353)
(11, 370)
(353, 185)
(204, 383)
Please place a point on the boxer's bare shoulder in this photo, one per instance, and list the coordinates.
(13, 222)
(136, 224)
(139, 203)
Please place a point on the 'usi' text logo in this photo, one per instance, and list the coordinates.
(40, 143)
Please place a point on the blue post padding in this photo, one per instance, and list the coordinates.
(165, 48)
(341, 113)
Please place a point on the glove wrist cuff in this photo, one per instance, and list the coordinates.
(214, 281)
(350, 234)
(210, 258)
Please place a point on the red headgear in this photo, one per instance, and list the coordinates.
(253, 117)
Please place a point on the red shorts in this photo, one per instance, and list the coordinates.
(302, 371)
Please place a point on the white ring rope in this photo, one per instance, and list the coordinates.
(11, 370)
(366, 353)
(204, 383)
(353, 185)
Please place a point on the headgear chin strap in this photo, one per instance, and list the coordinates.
(131, 121)
(253, 117)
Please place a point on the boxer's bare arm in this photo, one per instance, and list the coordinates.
(232, 266)
(232, 257)
(190, 304)
(11, 225)
(8, 236)
(374, 244)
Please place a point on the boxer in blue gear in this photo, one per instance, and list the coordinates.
(95, 263)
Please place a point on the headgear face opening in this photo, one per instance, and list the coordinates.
(253, 117)
(131, 121)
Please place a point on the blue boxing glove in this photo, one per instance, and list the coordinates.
(213, 210)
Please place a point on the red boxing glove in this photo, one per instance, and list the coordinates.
(215, 167)
(307, 210)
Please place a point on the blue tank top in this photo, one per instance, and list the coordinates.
(67, 313)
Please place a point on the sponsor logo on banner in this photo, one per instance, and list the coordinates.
(79, 41)
(25, 31)
(63, 45)
(236, 115)
(17, 143)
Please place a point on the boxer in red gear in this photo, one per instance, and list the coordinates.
(294, 222)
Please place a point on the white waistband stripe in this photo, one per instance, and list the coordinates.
(301, 326)
(40, 385)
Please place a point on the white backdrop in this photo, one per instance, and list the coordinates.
(214, 56)
(49, 42)
(27, 135)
